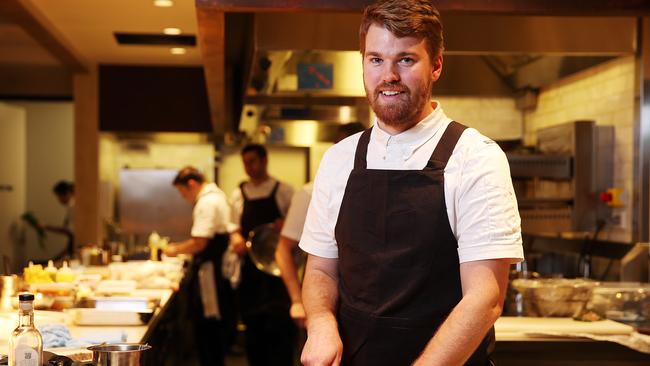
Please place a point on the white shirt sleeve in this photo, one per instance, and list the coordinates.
(210, 216)
(487, 223)
(318, 234)
(236, 208)
(283, 197)
(295, 219)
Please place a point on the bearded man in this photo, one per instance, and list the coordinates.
(413, 223)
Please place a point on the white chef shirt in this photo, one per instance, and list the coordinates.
(297, 214)
(263, 190)
(479, 196)
(68, 219)
(211, 213)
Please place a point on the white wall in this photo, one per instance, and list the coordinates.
(495, 117)
(12, 178)
(50, 149)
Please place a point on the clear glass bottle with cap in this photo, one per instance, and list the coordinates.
(26, 343)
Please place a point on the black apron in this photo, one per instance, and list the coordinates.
(259, 291)
(212, 336)
(399, 275)
(264, 301)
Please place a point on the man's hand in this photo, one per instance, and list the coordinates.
(323, 346)
(238, 243)
(297, 313)
(170, 251)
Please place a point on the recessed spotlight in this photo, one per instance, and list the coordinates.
(177, 51)
(163, 3)
(172, 31)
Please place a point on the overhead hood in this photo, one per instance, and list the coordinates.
(485, 55)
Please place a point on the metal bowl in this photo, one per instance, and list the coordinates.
(261, 244)
(118, 354)
(554, 297)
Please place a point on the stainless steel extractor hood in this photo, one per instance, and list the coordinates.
(486, 55)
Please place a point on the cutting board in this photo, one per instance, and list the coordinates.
(524, 325)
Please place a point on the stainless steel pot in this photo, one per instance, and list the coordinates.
(8, 286)
(118, 354)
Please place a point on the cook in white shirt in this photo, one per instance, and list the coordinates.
(206, 291)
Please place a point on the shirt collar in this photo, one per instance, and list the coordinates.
(413, 138)
(207, 188)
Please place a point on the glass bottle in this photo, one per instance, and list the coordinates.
(26, 344)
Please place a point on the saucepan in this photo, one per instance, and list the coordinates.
(8, 286)
(118, 354)
(261, 244)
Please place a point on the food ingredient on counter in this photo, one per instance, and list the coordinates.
(34, 273)
(65, 274)
(51, 270)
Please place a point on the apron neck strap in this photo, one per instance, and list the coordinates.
(362, 150)
(275, 189)
(446, 145)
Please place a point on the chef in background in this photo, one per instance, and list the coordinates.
(64, 192)
(263, 299)
(291, 232)
(210, 295)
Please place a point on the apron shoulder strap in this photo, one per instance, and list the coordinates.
(446, 145)
(241, 188)
(275, 189)
(362, 150)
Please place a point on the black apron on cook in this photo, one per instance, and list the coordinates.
(263, 299)
(212, 335)
(399, 273)
(259, 291)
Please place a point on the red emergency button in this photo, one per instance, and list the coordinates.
(606, 197)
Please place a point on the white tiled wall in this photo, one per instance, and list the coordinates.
(605, 94)
(496, 118)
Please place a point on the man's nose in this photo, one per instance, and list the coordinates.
(390, 74)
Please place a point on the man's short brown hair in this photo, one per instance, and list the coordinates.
(405, 18)
(186, 174)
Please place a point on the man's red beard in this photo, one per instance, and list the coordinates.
(406, 106)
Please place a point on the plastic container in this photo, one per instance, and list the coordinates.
(554, 297)
(621, 301)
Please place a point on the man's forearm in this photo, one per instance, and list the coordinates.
(190, 246)
(288, 271)
(484, 286)
(461, 332)
(319, 293)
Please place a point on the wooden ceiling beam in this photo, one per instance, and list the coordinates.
(211, 37)
(510, 7)
(40, 29)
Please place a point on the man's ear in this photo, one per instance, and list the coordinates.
(437, 67)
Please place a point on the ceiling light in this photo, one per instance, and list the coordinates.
(172, 31)
(163, 3)
(177, 51)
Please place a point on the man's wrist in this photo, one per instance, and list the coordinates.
(321, 320)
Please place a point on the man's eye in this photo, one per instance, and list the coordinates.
(375, 60)
(407, 61)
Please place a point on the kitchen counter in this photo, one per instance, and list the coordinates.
(528, 341)
(134, 333)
